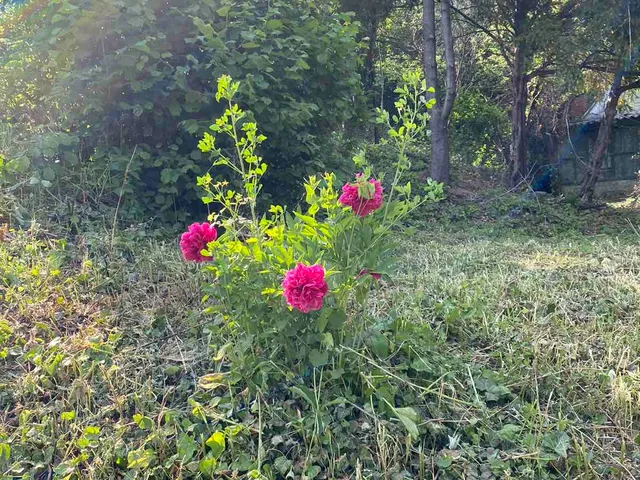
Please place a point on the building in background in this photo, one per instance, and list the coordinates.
(622, 162)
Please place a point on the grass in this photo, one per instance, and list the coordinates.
(557, 318)
(518, 356)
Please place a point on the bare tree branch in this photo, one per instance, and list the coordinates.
(630, 86)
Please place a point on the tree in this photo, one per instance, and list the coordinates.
(531, 36)
(438, 123)
(613, 24)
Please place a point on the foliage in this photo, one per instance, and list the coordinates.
(103, 79)
(249, 260)
(478, 129)
(500, 341)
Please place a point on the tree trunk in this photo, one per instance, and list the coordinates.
(519, 81)
(438, 124)
(588, 186)
(518, 152)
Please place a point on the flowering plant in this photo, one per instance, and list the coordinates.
(290, 286)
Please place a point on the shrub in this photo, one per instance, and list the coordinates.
(107, 77)
(290, 288)
(323, 260)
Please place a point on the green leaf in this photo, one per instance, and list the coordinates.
(323, 319)
(444, 461)
(408, 417)
(204, 28)
(208, 465)
(509, 432)
(379, 345)
(145, 423)
(337, 319)
(140, 459)
(224, 11)
(313, 471)
(187, 446)
(216, 442)
(5, 451)
(175, 109)
(211, 381)
(557, 442)
(68, 416)
(303, 392)
(274, 24)
(410, 425)
(64, 469)
(318, 358)
(302, 64)
(283, 465)
(408, 412)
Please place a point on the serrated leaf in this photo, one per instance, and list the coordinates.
(509, 432)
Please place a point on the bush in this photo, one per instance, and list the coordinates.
(338, 248)
(106, 78)
(324, 261)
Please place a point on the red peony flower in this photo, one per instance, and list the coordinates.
(304, 287)
(193, 241)
(362, 205)
(375, 275)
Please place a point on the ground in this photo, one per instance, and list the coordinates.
(527, 312)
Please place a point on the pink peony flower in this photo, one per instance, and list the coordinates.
(360, 204)
(375, 275)
(304, 287)
(193, 241)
